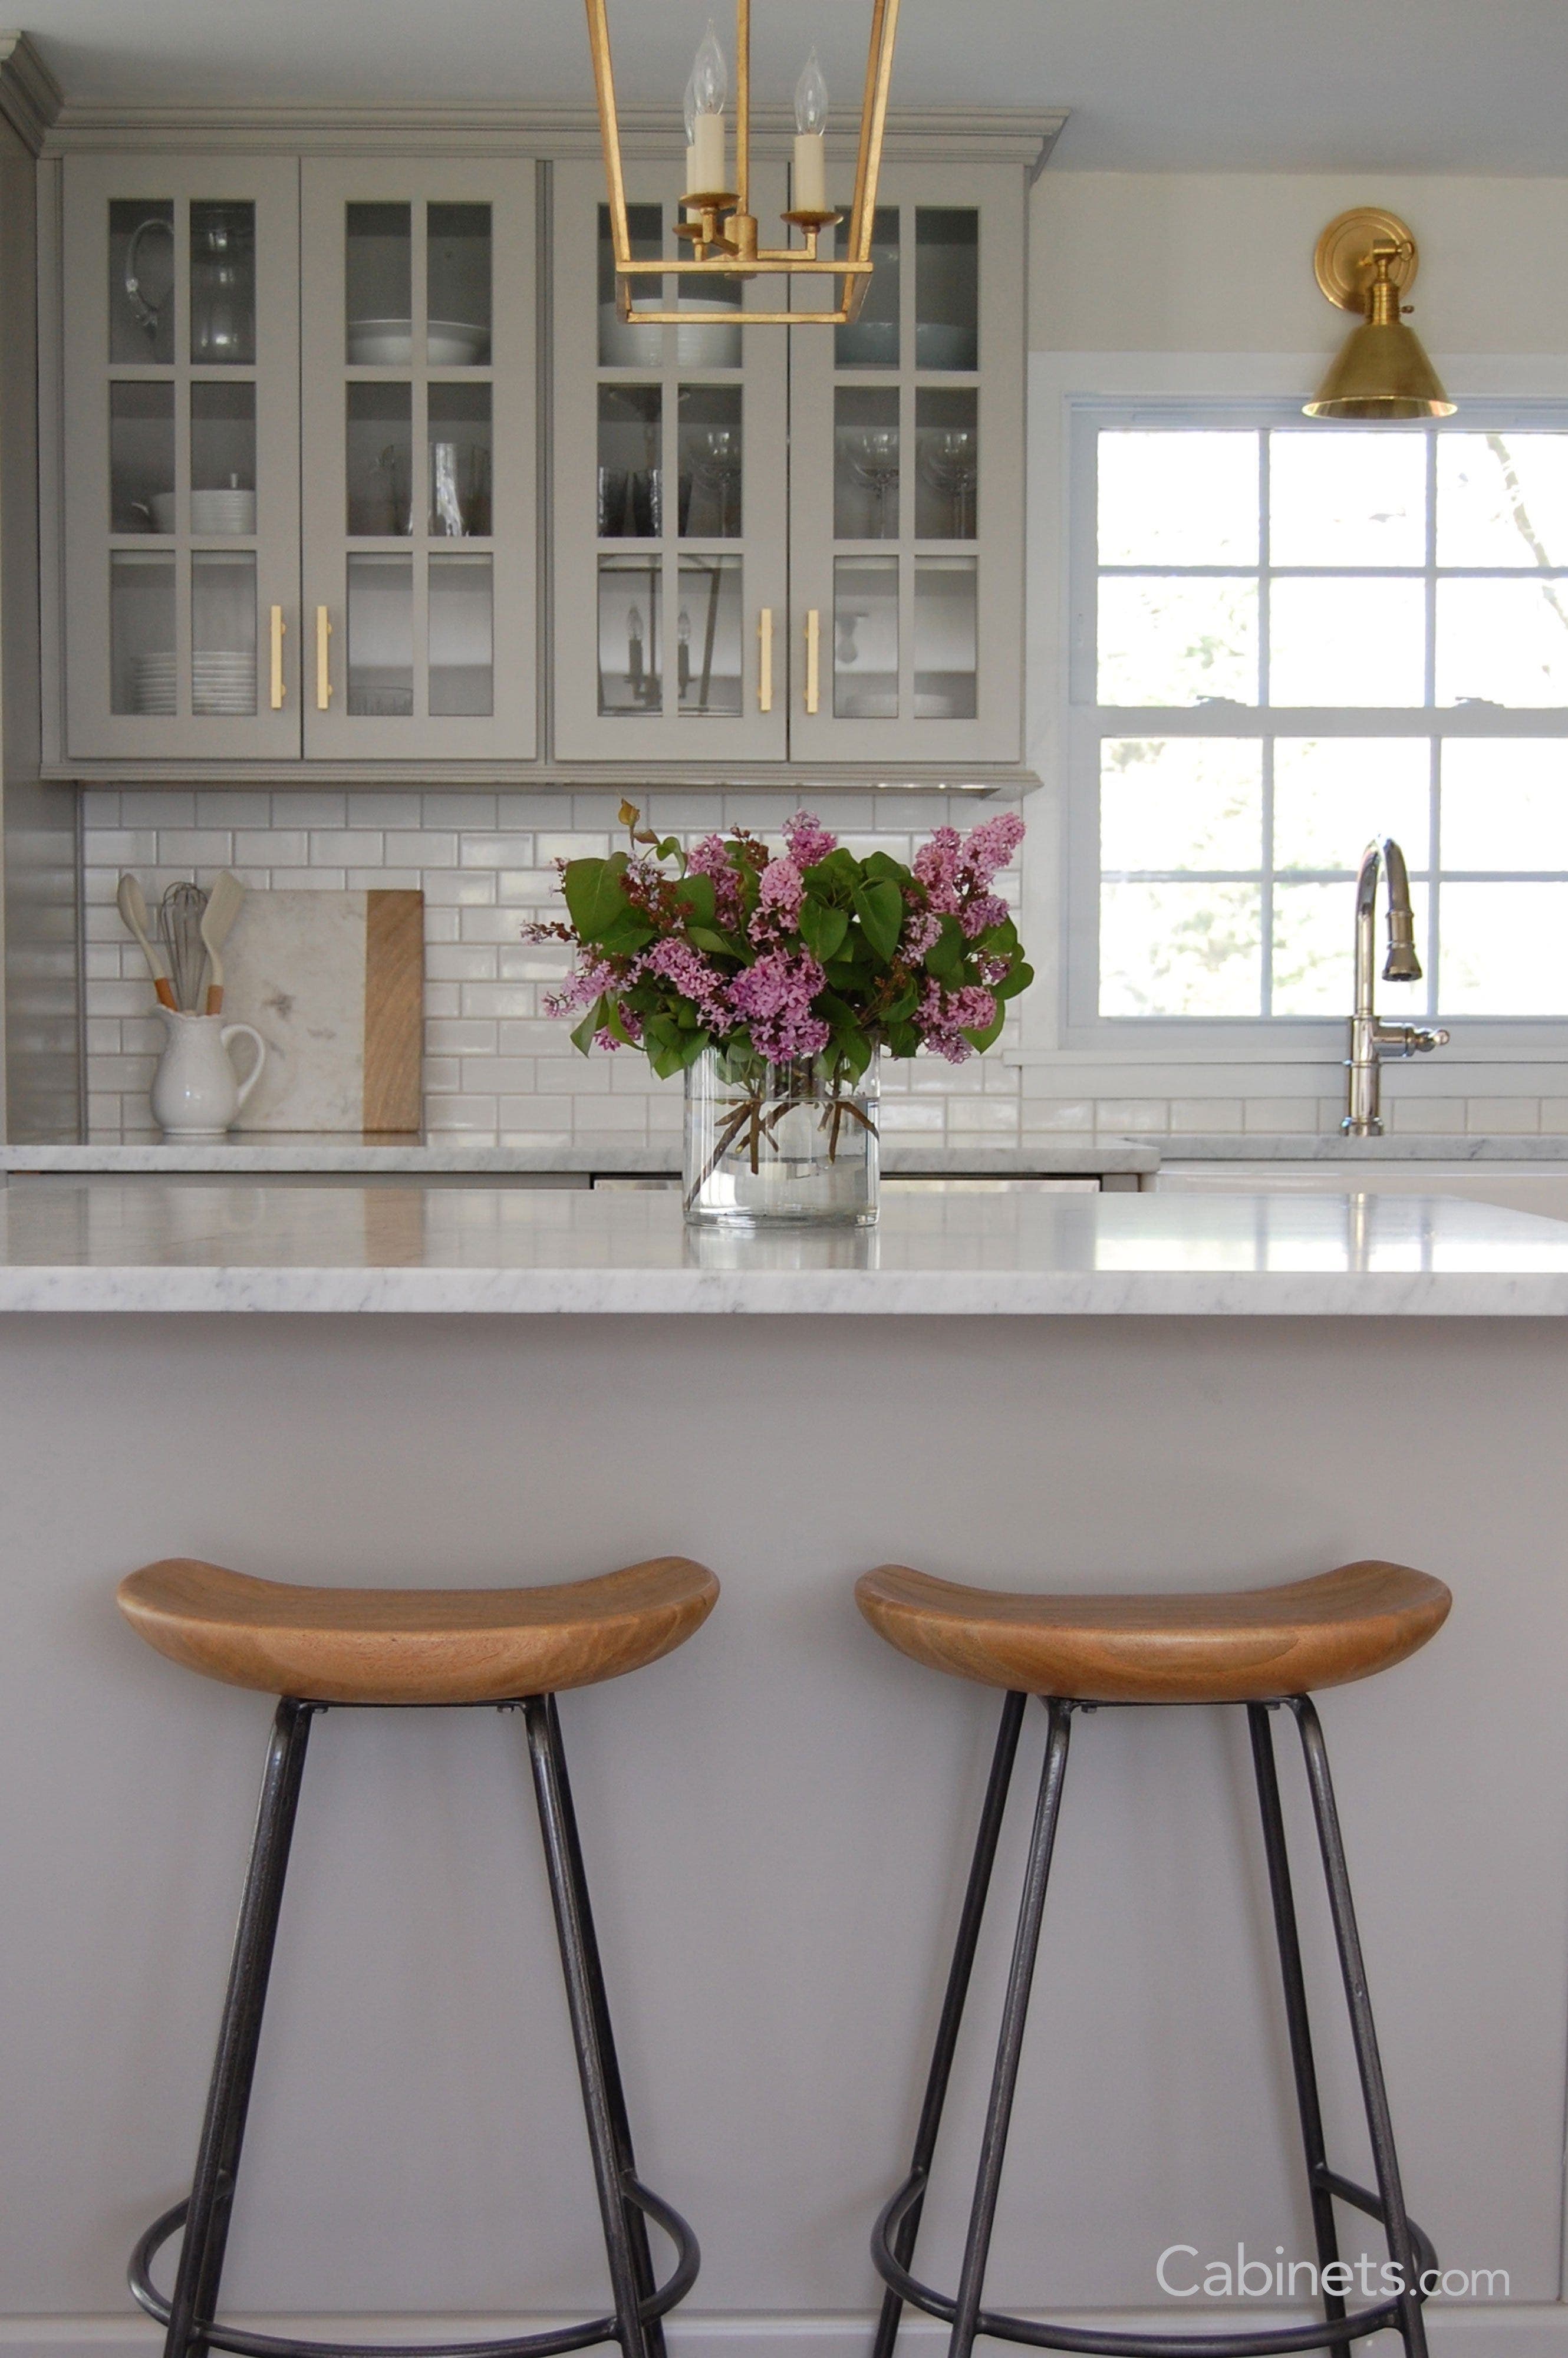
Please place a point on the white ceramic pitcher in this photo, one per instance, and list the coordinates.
(195, 1094)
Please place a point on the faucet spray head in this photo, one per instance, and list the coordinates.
(1402, 964)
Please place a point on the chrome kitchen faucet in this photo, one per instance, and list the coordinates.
(1370, 1040)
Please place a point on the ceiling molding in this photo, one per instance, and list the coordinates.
(30, 98)
(1024, 136)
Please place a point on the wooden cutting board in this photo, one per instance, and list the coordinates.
(335, 984)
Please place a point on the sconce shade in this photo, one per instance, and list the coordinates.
(1364, 261)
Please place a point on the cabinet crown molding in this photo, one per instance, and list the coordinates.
(30, 98)
(1022, 136)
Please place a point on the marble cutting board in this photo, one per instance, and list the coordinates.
(335, 984)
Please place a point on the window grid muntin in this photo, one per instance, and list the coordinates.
(1436, 724)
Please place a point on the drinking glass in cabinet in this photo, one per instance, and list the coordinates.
(141, 281)
(630, 677)
(381, 636)
(462, 636)
(457, 285)
(865, 462)
(872, 340)
(141, 632)
(380, 460)
(141, 457)
(945, 642)
(459, 436)
(709, 637)
(947, 462)
(946, 287)
(222, 284)
(378, 278)
(708, 451)
(631, 480)
(865, 638)
(223, 632)
(222, 457)
(621, 343)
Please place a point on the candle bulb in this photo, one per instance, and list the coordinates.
(705, 95)
(810, 182)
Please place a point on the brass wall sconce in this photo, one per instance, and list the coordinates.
(1364, 261)
(717, 222)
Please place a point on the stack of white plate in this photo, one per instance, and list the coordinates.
(222, 680)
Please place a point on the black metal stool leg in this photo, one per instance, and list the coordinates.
(1297, 2021)
(1004, 2081)
(952, 2015)
(207, 2213)
(636, 2225)
(1401, 2244)
(575, 1937)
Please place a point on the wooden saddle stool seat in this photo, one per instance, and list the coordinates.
(1263, 1649)
(318, 1648)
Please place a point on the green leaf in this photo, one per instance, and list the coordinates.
(1021, 976)
(903, 1006)
(696, 896)
(904, 1040)
(854, 1050)
(879, 908)
(617, 1030)
(670, 848)
(840, 870)
(822, 929)
(986, 1038)
(666, 1062)
(944, 958)
(881, 867)
(704, 938)
(595, 897)
(583, 1036)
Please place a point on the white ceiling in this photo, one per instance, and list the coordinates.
(1154, 86)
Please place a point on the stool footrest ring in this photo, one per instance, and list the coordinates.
(999, 2326)
(527, 2345)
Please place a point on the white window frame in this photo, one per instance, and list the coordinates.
(1272, 1040)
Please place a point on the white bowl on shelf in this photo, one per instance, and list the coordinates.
(211, 511)
(389, 343)
(624, 343)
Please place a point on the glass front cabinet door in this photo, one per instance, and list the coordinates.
(181, 385)
(671, 514)
(906, 486)
(419, 461)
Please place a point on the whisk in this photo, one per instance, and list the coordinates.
(180, 929)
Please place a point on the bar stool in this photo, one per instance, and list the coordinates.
(1263, 1647)
(514, 1649)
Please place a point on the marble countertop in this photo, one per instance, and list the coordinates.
(1332, 1146)
(89, 1243)
(351, 1154)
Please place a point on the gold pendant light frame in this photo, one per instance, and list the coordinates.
(719, 223)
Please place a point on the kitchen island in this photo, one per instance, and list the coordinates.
(478, 1384)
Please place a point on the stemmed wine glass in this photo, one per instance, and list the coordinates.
(947, 461)
(717, 470)
(873, 461)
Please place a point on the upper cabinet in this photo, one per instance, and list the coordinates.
(299, 457)
(419, 461)
(839, 576)
(182, 448)
(252, 575)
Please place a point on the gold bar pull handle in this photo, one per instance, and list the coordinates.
(766, 660)
(323, 659)
(813, 638)
(278, 627)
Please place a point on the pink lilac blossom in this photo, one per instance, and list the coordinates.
(773, 997)
(677, 962)
(991, 845)
(937, 866)
(581, 987)
(921, 933)
(943, 1016)
(780, 891)
(807, 838)
(710, 856)
(984, 909)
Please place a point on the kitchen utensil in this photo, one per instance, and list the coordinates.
(180, 916)
(148, 309)
(389, 343)
(217, 921)
(194, 1092)
(335, 983)
(132, 902)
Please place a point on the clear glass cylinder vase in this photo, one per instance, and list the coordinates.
(770, 1143)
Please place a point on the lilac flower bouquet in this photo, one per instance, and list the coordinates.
(779, 977)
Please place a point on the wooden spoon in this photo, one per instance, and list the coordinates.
(132, 906)
(217, 921)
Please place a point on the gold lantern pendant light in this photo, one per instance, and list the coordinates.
(1364, 261)
(717, 222)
